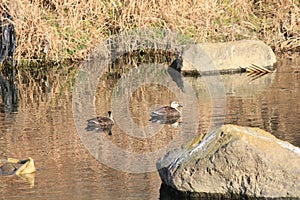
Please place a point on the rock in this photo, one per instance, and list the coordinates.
(27, 167)
(12, 166)
(225, 57)
(234, 161)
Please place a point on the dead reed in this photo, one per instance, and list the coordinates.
(55, 30)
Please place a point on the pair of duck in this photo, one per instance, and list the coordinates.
(160, 115)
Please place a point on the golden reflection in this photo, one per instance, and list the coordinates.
(29, 178)
(44, 84)
(44, 127)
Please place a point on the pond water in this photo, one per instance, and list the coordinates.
(76, 164)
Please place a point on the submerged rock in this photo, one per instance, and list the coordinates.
(234, 161)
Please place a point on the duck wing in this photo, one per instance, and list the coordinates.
(159, 112)
(100, 121)
(165, 112)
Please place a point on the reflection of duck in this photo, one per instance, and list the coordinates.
(176, 124)
(164, 120)
(174, 121)
(167, 112)
(101, 123)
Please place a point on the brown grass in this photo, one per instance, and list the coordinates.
(55, 30)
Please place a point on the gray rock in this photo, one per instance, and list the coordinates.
(229, 56)
(234, 161)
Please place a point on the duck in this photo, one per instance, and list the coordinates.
(100, 123)
(166, 112)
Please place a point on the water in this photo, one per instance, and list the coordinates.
(44, 128)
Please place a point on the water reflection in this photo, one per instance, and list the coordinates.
(136, 143)
(9, 91)
(274, 108)
(44, 129)
(174, 121)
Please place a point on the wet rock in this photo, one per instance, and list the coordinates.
(11, 166)
(234, 161)
(225, 57)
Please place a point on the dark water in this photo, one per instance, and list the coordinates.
(69, 164)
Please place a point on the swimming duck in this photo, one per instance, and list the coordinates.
(171, 111)
(100, 123)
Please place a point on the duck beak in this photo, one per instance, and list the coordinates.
(180, 105)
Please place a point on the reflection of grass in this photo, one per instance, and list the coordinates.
(69, 30)
(130, 60)
(43, 83)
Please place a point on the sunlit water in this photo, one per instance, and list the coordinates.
(44, 129)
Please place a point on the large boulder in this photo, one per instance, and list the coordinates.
(225, 57)
(234, 161)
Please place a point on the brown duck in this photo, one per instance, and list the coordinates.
(100, 123)
(166, 112)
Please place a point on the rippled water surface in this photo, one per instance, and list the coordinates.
(69, 158)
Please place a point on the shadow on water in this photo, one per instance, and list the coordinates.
(167, 193)
(9, 91)
(44, 127)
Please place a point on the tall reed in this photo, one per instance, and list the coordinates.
(55, 30)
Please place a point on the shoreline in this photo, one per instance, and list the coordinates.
(70, 31)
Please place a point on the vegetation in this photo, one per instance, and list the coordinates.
(59, 31)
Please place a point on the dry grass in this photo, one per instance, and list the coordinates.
(55, 30)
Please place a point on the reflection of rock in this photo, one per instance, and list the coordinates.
(176, 77)
(29, 178)
(234, 161)
(238, 85)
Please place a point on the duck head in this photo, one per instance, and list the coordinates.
(175, 104)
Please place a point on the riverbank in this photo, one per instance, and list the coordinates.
(55, 31)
